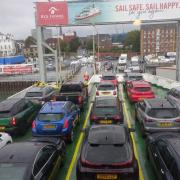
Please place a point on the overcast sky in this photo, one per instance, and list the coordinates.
(17, 18)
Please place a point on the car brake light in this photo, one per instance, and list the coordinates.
(33, 124)
(13, 121)
(80, 99)
(66, 124)
(97, 93)
(149, 120)
(93, 117)
(177, 120)
(114, 92)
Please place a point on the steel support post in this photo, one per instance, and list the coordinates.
(43, 76)
(178, 52)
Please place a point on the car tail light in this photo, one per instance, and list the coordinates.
(97, 93)
(114, 92)
(116, 117)
(66, 124)
(13, 121)
(93, 117)
(80, 99)
(149, 120)
(124, 164)
(33, 124)
(177, 120)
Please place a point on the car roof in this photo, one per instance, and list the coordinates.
(103, 134)
(8, 104)
(37, 89)
(140, 84)
(105, 101)
(177, 88)
(54, 107)
(134, 74)
(20, 152)
(108, 74)
(159, 103)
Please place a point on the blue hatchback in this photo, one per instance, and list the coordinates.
(56, 118)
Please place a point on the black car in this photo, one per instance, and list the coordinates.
(163, 151)
(38, 159)
(107, 110)
(107, 153)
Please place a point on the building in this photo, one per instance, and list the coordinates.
(7, 45)
(68, 36)
(31, 51)
(20, 44)
(158, 39)
(47, 33)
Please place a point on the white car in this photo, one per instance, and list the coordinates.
(4, 139)
(106, 89)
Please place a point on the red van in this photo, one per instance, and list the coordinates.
(139, 90)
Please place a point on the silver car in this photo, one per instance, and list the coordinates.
(155, 115)
(174, 96)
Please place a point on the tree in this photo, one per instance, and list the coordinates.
(89, 44)
(29, 41)
(133, 40)
(74, 44)
(64, 46)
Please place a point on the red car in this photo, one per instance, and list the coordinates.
(139, 90)
(110, 78)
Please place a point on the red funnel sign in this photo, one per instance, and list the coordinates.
(52, 13)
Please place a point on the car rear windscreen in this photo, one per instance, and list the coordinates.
(135, 78)
(50, 117)
(142, 89)
(163, 113)
(12, 171)
(71, 88)
(108, 77)
(5, 114)
(34, 94)
(107, 154)
(106, 87)
(105, 111)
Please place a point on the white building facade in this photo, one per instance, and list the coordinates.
(7, 45)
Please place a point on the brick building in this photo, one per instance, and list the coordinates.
(158, 38)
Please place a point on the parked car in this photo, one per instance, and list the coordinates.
(157, 115)
(174, 96)
(56, 119)
(109, 66)
(41, 94)
(163, 153)
(50, 67)
(5, 139)
(107, 153)
(139, 90)
(107, 110)
(16, 115)
(36, 159)
(76, 92)
(128, 77)
(109, 77)
(106, 89)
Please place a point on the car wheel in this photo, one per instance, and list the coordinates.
(70, 137)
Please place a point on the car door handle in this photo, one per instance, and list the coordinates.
(162, 171)
(155, 154)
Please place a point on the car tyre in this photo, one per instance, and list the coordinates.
(70, 137)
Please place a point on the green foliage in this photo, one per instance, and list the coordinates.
(89, 44)
(29, 41)
(74, 44)
(133, 40)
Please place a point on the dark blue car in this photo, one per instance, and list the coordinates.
(56, 118)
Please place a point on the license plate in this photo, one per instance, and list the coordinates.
(105, 121)
(166, 124)
(49, 127)
(2, 128)
(106, 92)
(107, 176)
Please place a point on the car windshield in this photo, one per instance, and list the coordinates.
(106, 87)
(142, 89)
(15, 171)
(163, 113)
(108, 77)
(34, 94)
(105, 111)
(71, 88)
(107, 154)
(5, 114)
(50, 117)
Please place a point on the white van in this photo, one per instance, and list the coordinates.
(122, 62)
